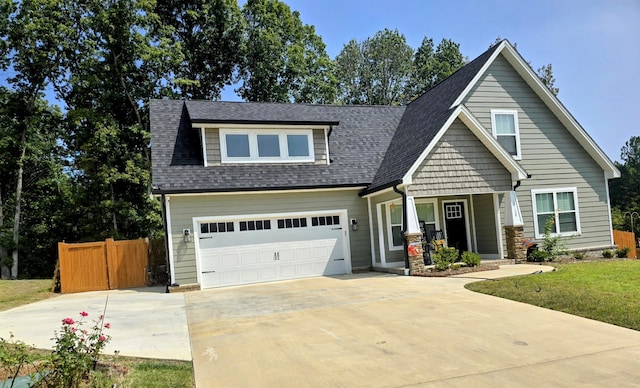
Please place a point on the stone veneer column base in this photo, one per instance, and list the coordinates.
(515, 247)
(415, 250)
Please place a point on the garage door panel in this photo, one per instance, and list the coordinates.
(292, 248)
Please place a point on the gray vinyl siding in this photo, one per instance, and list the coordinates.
(214, 157)
(459, 163)
(549, 152)
(485, 224)
(212, 138)
(184, 208)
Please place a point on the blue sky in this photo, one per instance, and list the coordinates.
(593, 45)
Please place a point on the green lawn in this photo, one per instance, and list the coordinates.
(14, 293)
(608, 291)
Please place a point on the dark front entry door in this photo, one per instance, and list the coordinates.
(455, 222)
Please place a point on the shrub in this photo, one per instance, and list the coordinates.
(456, 266)
(444, 257)
(471, 259)
(607, 253)
(623, 252)
(578, 255)
(552, 246)
(537, 256)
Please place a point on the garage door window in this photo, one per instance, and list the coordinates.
(325, 220)
(288, 223)
(255, 225)
(216, 227)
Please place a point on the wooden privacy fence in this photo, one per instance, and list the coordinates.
(104, 265)
(625, 239)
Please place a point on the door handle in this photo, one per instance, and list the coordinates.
(208, 271)
(339, 259)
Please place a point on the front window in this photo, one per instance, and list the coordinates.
(427, 217)
(395, 226)
(560, 207)
(504, 125)
(255, 146)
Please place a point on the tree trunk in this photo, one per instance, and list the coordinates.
(5, 273)
(16, 216)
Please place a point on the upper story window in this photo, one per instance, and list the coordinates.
(266, 146)
(504, 125)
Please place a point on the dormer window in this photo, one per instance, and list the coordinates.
(266, 146)
(504, 125)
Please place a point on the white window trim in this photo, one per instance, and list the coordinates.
(555, 191)
(390, 227)
(514, 113)
(253, 146)
(418, 201)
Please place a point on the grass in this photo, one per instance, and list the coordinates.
(606, 291)
(158, 373)
(14, 293)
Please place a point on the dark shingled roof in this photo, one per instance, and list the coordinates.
(370, 146)
(356, 145)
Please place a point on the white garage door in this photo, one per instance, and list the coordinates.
(262, 249)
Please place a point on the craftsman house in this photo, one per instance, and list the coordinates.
(255, 192)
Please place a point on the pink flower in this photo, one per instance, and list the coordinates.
(85, 332)
(68, 321)
(101, 316)
(84, 314)
(73, 329)
(107, 325)
(102, 338)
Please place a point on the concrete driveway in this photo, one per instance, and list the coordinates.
(145, 322)
(379, 330)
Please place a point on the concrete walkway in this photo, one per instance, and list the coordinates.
(145, 322)
(380, 330)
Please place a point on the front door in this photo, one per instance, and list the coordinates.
(455, 221)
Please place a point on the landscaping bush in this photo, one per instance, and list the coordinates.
(623, 252)
(607, 253)
(552, 246)
(456, 266)
(471, 259)
(578, 255)
(444, 257)
(537, 256)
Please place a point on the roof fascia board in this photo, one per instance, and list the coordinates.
(552, 102)
(479, 74)
(559, 110)
(407, 179)
(178, 193)
(380, 192)
(261, 123)
(517, 172)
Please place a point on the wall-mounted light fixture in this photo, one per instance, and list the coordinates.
(186, 235)
(354, 224)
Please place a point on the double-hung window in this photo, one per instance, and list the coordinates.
(427, 214)
(504, 126)
(559, 208)
(256, 146)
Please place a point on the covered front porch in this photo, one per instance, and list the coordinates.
(467, 222)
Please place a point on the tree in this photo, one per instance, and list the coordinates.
(284, 60)
(34, 52)
(433, 66)
(625, 191)
(210, 37)
(377, 71)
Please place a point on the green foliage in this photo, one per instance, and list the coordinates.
(537, 256)
(284, 60)
(15, 355)
(444, 257)
(578, 255)
(623, 252)
(625, 191)
(552, 246)
(75, 352)
(607, 253)
(546, 76)
(434, 64)
(471, 259)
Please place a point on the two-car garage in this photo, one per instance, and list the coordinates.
(269, 247)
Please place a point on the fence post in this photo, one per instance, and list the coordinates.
(109, 259)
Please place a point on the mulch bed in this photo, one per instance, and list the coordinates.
(434, 273)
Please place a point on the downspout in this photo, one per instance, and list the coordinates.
(404, 223)
(328, 150)
(166, 240)
(519, 182)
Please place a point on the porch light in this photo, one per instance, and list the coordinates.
(186, 235)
